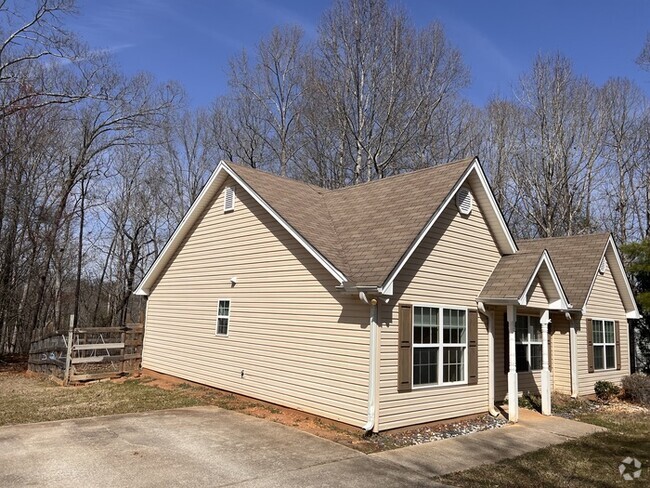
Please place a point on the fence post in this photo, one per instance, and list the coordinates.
(123, 341)
(68, 357)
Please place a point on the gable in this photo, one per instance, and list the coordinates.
(248, 244)
(475, 179)
(452, 262)
(537, 297)
(605, 299)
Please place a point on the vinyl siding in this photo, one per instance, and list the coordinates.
(450, 267)
(561, 353)
(300, 342)
(537, 298)
(603, 303)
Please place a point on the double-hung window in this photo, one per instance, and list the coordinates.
(528, 338)
(223, 317)
(604, 340)
(439, 345)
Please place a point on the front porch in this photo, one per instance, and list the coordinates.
(519, 313)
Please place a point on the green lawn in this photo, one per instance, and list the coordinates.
(586, 462)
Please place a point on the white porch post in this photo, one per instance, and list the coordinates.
(513, 386)
(544, 320)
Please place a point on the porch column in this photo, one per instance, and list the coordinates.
(513, 384)
(544, 320)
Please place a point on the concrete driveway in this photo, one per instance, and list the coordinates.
(202, 446)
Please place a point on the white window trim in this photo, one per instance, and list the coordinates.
(227, 209)
(594, 344)
(529, 342)
(216, 325)
(439, 345)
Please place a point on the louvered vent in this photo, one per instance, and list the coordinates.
(229, 199)
(464, 201)
(603, 266)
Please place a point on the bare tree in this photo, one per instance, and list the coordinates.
(272, 82)
(561, 141)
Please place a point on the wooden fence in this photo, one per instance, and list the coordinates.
(87, 353)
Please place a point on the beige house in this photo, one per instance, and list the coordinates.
(382, 305)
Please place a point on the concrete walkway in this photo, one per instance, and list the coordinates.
(532, 432)
(208, 446)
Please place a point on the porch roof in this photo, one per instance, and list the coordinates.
(515, 277)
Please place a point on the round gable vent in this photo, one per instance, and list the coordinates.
(603, 266)
(464, 201)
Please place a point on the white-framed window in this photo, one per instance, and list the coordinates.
(223, 317)
(604, 344)
(229, 199)
(528, 338)
(439, 345)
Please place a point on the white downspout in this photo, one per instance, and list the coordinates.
(573, 353)
(490, 317)
(372, 380)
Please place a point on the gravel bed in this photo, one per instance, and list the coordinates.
(432, 433)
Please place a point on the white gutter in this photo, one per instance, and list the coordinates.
(372, 380)
(490, 317)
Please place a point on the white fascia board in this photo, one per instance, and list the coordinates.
(498, 301)
(634, 312)
(168, 249)
(474, 166)
(546, 259)
(495, 207)
(179, 233)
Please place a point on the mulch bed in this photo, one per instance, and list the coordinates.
(430, 433)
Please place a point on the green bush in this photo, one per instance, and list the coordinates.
(605, 390)
(636, 388)
(531, 401)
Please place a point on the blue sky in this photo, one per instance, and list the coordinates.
(191, 41)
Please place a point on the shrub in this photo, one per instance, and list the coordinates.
(636, 388)
(530, 401)
(605, 390)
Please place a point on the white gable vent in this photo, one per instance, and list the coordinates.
(464, 201)
(229, 199)
(603, 266)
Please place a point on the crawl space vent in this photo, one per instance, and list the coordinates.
(464, 201)
(229, 199)
(603, 266)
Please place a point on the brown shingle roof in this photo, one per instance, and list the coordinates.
(363, 230)
(510, 276)
(574, 258)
